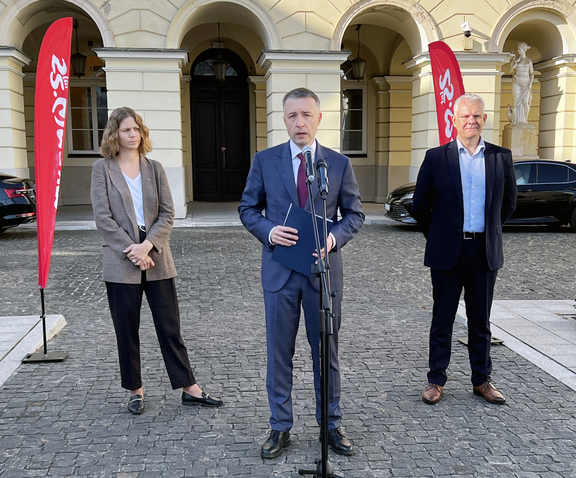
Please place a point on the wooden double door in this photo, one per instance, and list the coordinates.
(220, 140)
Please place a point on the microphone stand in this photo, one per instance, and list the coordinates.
(324, 468)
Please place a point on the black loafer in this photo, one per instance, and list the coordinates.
(136, 404)
(206, 400)
(338, 442)
(275, 444)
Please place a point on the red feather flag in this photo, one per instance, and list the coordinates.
(448, 87)
(50, 108)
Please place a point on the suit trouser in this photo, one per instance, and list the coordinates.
(472, 274)
(125, 303)
(282, 320)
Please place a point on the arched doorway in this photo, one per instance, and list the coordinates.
(220, 127)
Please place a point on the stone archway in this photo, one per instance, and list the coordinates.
(423, 31)
(13, 31)
(556, 12)
(245, 12)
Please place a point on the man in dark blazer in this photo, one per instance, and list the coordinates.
(274, 183)
(464, 193)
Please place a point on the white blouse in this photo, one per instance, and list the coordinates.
(135, 186)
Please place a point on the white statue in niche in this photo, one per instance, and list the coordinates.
(523, 76)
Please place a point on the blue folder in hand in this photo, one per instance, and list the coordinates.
(299, 256)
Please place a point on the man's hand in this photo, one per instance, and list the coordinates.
(284, 236)
(330, 244)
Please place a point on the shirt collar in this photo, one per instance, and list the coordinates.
(295, 150)
(481, 146)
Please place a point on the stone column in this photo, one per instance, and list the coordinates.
(557, 109)
(482, 75)
(149, 81)
(381, 137)
(186, 135)
(393, 132)
(424, 121)
(317, 70)
(258, 108)
(400, 130)
(13, 155)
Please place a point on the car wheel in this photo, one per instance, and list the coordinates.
(573, 220)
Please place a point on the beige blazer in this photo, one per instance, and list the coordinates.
(116, 220)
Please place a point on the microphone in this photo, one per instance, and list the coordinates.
(307, 151)
(322, 168)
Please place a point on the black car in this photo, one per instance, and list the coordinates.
(546, 195)
(17, 201)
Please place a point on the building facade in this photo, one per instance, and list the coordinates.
(161, 58)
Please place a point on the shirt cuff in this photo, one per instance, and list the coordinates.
(270, 236)
(333, 242)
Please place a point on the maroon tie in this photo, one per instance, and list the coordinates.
(301, 183)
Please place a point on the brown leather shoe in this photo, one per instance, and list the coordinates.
(432, 393)
(490, 393)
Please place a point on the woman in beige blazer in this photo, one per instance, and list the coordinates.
(134, 213)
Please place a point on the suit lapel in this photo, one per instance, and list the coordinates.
(454, 167)
(287, 173)
(117, 179)
(148, 191)
(490, 167)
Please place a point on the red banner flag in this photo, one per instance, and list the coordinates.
(50, 107)
(448, 86)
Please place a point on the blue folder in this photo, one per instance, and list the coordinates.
(299, 256)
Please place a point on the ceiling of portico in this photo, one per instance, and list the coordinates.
(380, 47)
(543, 37)
(394, 19)
(240, 39)
(545, 29)
(88, 38)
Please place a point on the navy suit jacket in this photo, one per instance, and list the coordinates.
(439, 209)
(270, 189)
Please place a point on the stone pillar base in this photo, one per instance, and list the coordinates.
(522, 140)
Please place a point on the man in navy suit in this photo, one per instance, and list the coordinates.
(277, 180)
(464, 193)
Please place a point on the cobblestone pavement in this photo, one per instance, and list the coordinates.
(70, 418)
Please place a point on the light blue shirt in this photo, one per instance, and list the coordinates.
(473, 176)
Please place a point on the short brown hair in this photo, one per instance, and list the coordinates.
(110, 146)
(301, 93)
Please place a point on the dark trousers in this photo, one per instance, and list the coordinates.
(472, 274)
(282, 321)
(125, 302)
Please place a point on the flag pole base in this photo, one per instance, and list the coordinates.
(42, 357)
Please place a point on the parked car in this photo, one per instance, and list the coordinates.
(17, 201)
(546, 195)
